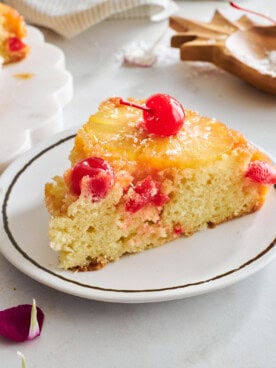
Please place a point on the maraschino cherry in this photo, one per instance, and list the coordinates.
(147, 191)
(100, 176)
(15, 44)
(163, 114)
(261, 172)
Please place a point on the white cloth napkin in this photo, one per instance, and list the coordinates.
(70, 17)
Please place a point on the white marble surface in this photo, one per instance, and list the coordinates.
(233, 327)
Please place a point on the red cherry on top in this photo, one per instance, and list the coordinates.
(163, 114)
(100, 174)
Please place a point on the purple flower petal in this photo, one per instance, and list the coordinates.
(15, 322)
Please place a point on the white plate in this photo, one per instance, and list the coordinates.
(31, 109)
(207, 261)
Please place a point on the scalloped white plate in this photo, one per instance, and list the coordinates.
(207, 261)
(31, 109)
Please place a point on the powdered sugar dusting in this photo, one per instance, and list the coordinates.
(147, 54)
(139, 54)
(266, 65)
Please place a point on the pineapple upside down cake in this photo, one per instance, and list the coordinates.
(12, 32)
(146, 172)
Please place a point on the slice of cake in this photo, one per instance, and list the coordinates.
(12, 32)
(142, 178)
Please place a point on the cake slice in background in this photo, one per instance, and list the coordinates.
(12, 32)
(133, 186)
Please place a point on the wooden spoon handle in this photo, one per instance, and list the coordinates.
(221, 21)
(187, 25)
(180, 38)
(197, 40)
(200, 50)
